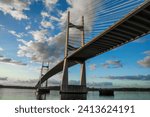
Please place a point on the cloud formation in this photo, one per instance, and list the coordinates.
(50, 3)
(138, 77)
(42, 47)
(92, 67)
(27, 27)
(46, 47)
(77, 10)
(39, 35)
(112, 64)
(14, 33)
(14, 8)
(10, 61)
(53, 18)
(44, 14)
(146, 61)
(46, 24)
(3, 78)
(1, 49)
(147, 52)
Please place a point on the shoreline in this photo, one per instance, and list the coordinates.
(16, 87)
(57, 88)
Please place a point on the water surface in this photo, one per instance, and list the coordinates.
(29, 94)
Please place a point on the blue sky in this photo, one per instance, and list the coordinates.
(33, 30)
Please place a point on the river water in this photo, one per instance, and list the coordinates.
(29, 94)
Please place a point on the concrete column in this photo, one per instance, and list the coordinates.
(82, 40)
(83, 65)
(64, 84)
(67, 36)
(65, 76)
(83, 74)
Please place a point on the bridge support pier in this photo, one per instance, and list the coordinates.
(83, 75)
(73, 89)
(106, 92)
(65, 76)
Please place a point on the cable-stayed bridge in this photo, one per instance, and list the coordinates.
(133, 26)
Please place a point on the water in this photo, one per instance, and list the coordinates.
(29, 94)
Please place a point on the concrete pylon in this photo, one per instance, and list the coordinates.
(83, 75)
(83, 65)
(64, 84)
(65, 88)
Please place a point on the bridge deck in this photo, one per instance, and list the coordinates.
(131, 27)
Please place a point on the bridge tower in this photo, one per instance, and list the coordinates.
(44, 69)
(42, 89)
(65, 88)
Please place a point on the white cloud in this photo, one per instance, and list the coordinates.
(1, 49)
(2, 27)
(14, 33)
(46, 24)
(45, 14)
(147, 52)
(146, 61)
(50, 3)
(42, 47)
(39, 51)
(15, 8)
(92, 67)
(54, 18)
(39, 35)
(69, 2)
(27, 27)
(112, 64)
(10, 61)
(18, 35)
(138, 77)
(77, 10)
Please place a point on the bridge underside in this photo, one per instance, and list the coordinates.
(134, 25)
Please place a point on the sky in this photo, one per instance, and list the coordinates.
(32, 31)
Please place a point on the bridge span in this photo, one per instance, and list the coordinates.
(133, 26)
